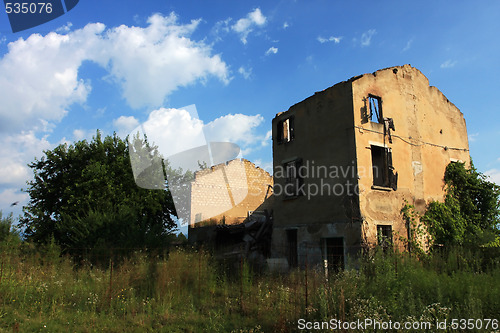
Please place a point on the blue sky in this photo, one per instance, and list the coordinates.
(108, 64)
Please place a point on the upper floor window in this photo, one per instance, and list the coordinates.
(293, 179)
(383, 170)
(285, 130)
(375, 108)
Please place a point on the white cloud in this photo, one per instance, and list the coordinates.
(244, 26)
(124, 125)
(178, 130)
(285, 25)
(16, 151)
(334, 39)
(366, 37)
(246, 73)
(173, 130)
(237, 128)
(272, 50)
(152, 62)
(494, 175)
(148, 63)
(40, 89)
(448, 64)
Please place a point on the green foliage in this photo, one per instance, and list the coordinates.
(470, 213)
(418, 237)
(84, 196)
(8, 232)
(41, 291)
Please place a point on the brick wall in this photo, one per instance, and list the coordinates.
(226, 192)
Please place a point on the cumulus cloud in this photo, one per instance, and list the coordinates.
(148, 63)
(272, 50)
(245, 26)
(366, 37)
(173, 130)
(152, 62)
(123, 125)
(177, 130)
(16, 151)
(237, 128)
(334, 39)
(41, 88)
(448, 64)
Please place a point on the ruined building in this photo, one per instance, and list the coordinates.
(348, 158)
(231, 208)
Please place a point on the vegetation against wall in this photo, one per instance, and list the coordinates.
(470, 213)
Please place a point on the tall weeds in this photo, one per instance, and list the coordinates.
(187, 291)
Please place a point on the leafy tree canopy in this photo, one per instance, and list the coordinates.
(470, 213)
(84, 195)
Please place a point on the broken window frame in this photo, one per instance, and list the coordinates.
(293, 177)
(384, 236)
(285, 130)
(383, 169)
(375, 114)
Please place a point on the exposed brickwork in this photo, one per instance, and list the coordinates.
(225, 193)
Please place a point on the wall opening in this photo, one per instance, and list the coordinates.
(285, 130)
(375, 108)
(384, 236)
(291, 236)
(333, 252)
(383, 170)
(293, 179)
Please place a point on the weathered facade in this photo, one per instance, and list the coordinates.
(347, 159)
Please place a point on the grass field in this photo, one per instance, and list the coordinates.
(187, 291)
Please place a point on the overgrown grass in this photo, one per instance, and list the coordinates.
(187, 291)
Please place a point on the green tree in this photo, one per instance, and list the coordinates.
(470, 213)
(84, 196)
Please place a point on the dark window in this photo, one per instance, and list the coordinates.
(383, 170)
(375, 106)
(334, 250)
(384, 236)
(293, 179)
(291, 236)
(285, 130)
